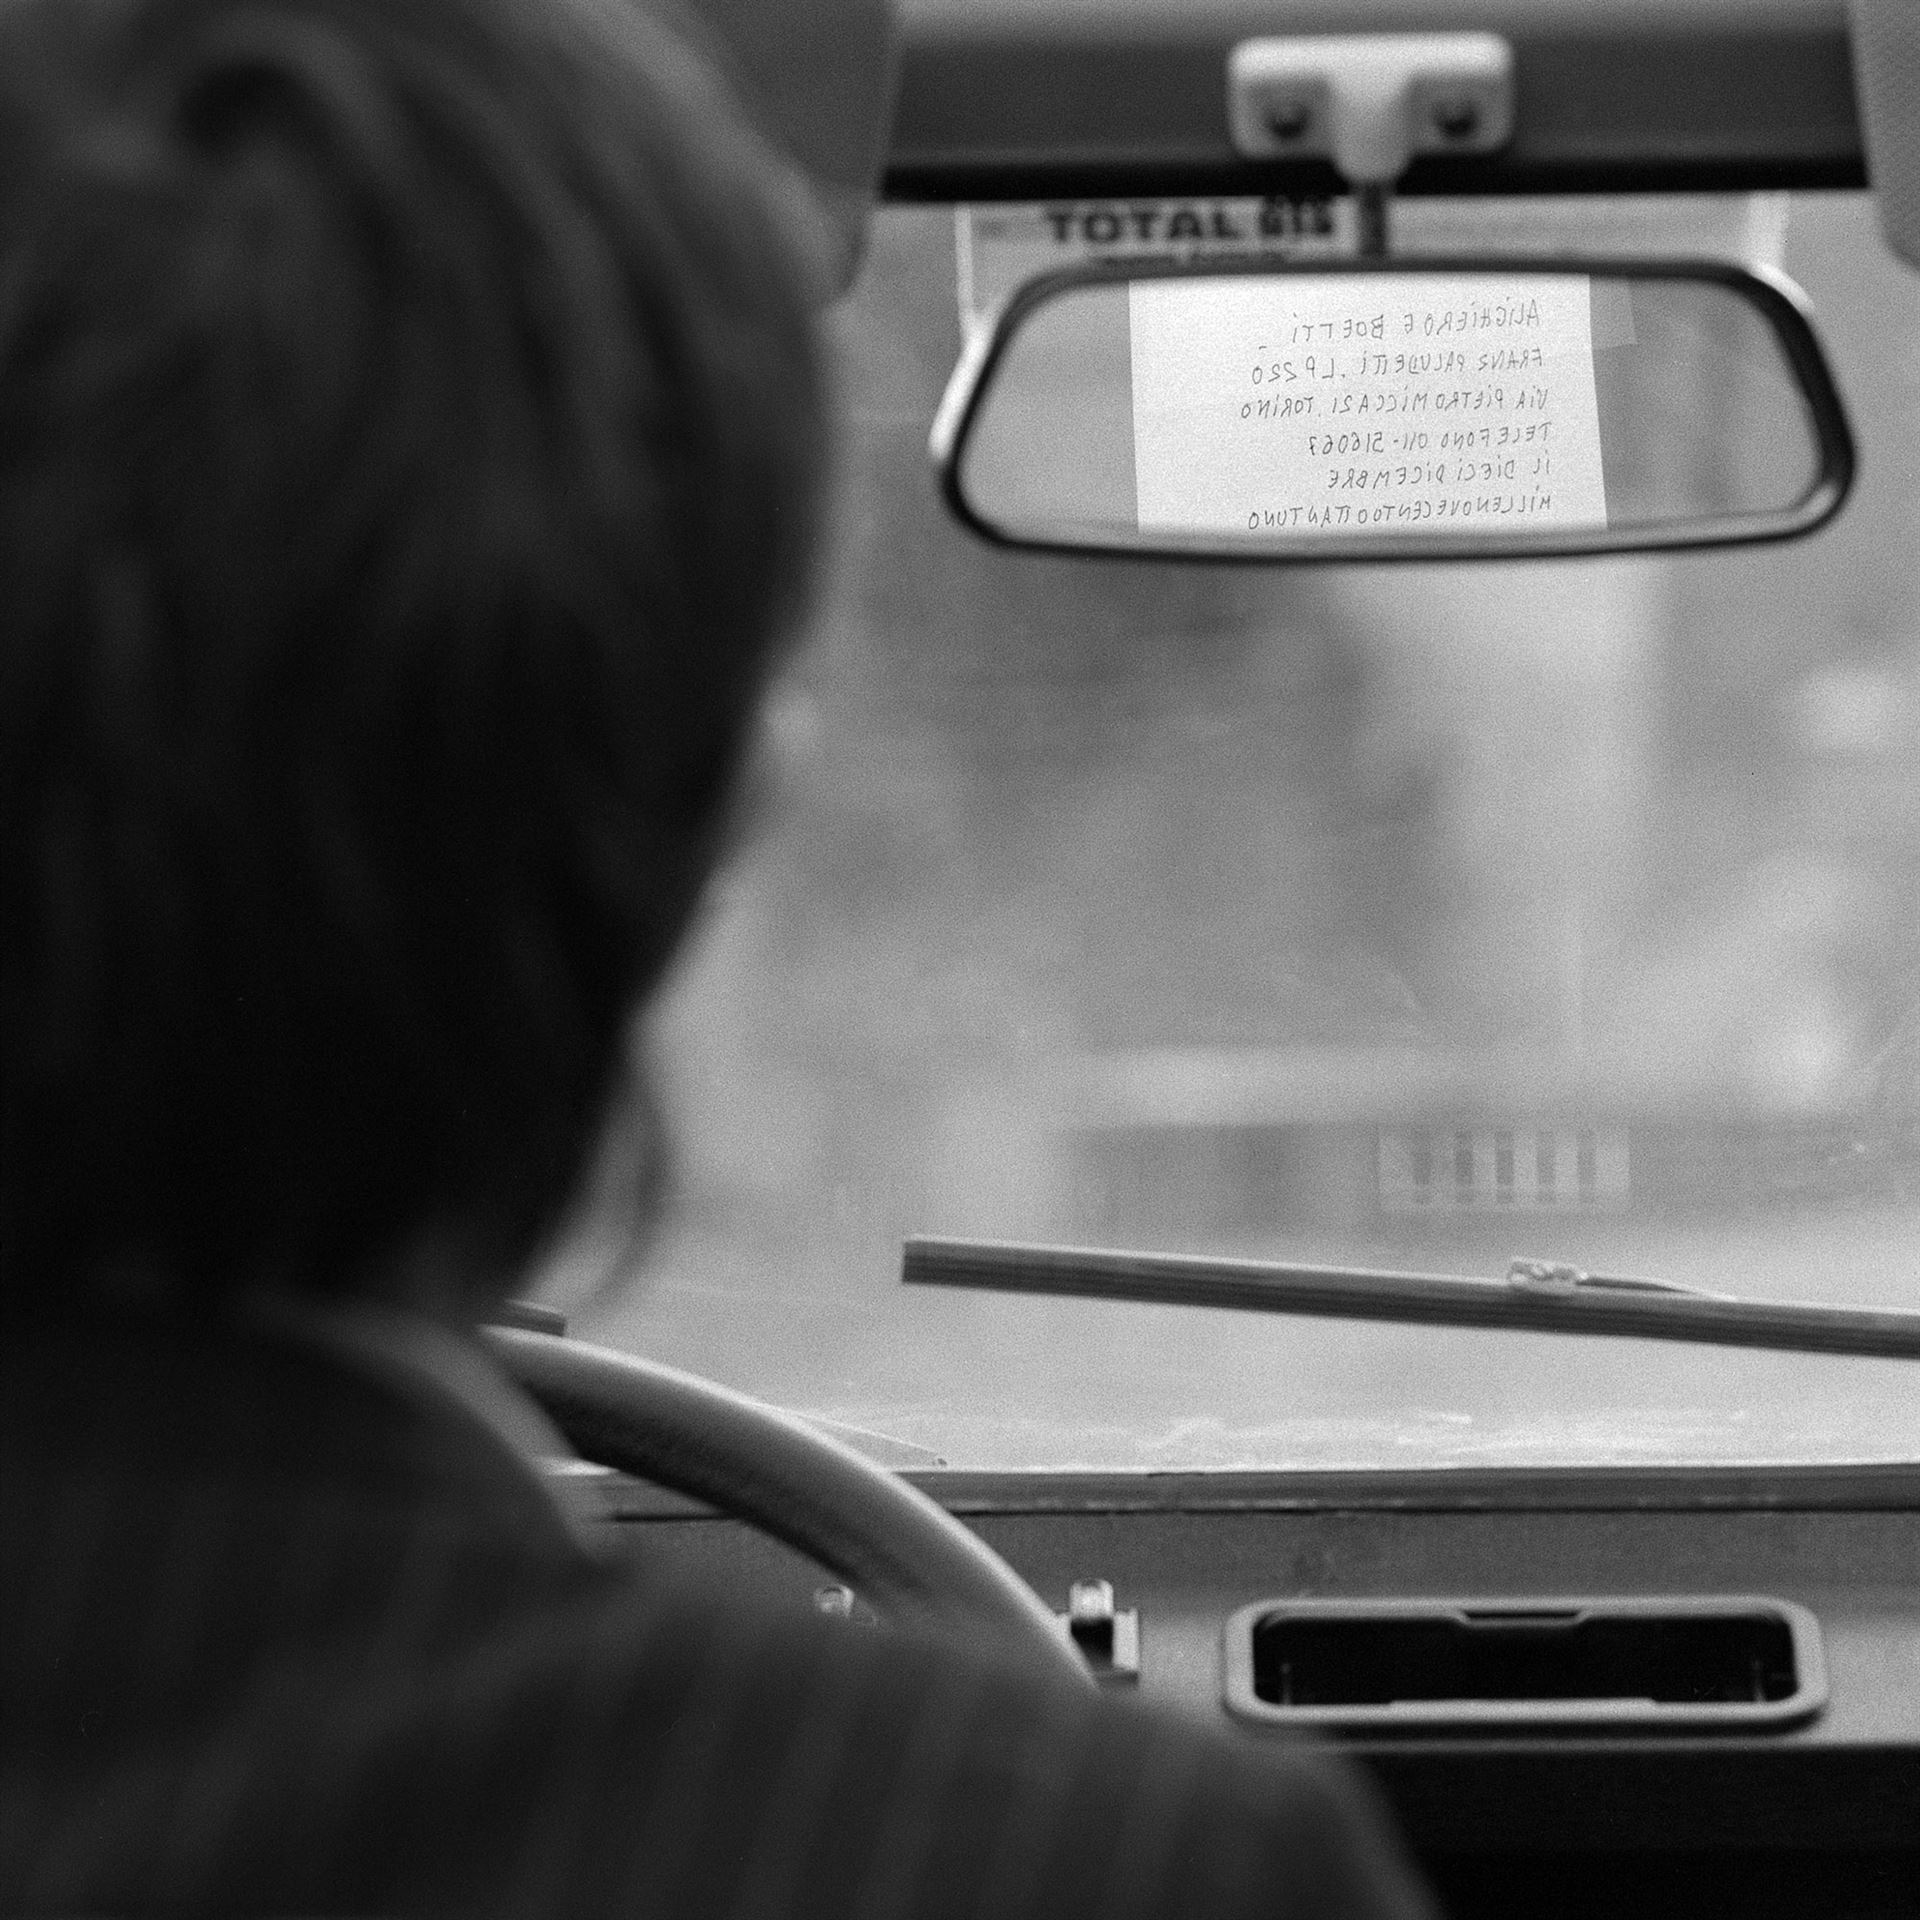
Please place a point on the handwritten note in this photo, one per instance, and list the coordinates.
(1390, 404)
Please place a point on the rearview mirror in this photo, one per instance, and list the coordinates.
(1417, 410)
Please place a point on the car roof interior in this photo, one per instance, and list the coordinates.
(1021, 99)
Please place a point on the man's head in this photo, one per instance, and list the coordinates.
(409, 432)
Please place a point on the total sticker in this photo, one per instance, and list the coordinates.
(1000, 248)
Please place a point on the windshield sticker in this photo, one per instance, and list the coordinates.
(1397, 404)
(1000, 248)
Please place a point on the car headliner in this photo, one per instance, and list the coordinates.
(1027, 99)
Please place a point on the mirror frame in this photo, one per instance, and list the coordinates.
(1780, 302)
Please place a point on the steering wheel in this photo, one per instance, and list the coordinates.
(900, 1551)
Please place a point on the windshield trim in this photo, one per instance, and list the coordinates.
(1867, 1486)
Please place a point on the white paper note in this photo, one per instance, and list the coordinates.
(1395, 404)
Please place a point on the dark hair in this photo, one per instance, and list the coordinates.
(409, 441)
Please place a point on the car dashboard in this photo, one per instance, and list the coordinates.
(1816, 1815)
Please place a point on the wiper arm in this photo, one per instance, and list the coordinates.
(1539, 1296)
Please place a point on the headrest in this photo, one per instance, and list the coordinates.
(1886, 71)
(820, 76)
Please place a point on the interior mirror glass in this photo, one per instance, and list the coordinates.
(1419, 410)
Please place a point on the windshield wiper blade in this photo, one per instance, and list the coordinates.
(1537, 1296)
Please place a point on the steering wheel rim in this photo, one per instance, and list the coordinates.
(900, 1551)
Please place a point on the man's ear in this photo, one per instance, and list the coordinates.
(599, 1250)
(819, 76)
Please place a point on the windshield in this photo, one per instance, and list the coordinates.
(1415, 917)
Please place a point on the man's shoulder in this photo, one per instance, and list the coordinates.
(245, 1684)
(677, 1750)
(609, 1745)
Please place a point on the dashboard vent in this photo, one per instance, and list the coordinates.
(1423, 1665)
